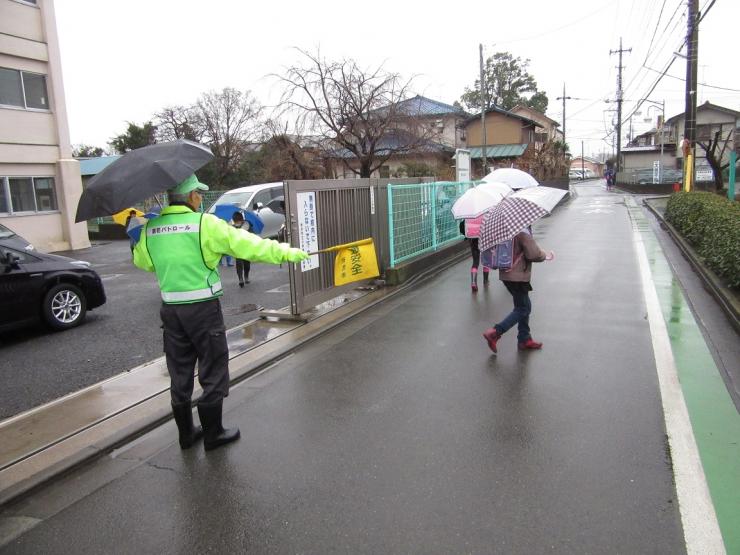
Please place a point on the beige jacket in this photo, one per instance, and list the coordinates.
(522, 269)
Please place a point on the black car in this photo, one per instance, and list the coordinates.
(36, 286)
(13, 240)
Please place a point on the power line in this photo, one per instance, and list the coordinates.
(705, 11)
(657, 23)
(550, 31)
(702, 84)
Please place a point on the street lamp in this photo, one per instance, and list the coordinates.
(658, 106)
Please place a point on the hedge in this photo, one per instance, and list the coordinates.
(711, 225)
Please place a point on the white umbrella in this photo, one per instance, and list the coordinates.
(514, 178)
(517, 212)
(474, 202)
(496, 187)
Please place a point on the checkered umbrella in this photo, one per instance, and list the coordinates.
(515, 213)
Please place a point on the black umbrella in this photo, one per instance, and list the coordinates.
(140, 174)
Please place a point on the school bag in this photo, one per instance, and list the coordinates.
(501, 256)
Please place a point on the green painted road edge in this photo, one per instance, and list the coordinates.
(714, 418)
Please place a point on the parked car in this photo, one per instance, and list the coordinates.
(12, 239)
(266, 200)
(36, 286)
(575, 174)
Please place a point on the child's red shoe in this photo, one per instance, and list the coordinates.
(491, 336)
(530, 344)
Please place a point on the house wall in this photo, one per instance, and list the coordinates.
(595, 167)
(439, 163)
(35, 142)
(450, 133)
(500, 130)
(703, 117)
(644, 160)
(547, 124)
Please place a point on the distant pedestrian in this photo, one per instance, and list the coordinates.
(517, 282)
(242, 266)
(471, 229)
(611, 177)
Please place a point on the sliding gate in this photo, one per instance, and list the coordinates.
(327, 212)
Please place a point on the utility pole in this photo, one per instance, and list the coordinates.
(484, 107)
(619, 99)
(583, 165)
(564, 98)
(692, 58)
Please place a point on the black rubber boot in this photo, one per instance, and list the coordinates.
(214, 434)
(189, 434)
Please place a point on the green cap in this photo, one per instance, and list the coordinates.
(190, 184)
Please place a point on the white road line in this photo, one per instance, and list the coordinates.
(700, 527)
(282, 289)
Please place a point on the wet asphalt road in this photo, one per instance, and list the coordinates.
(399, 432)
(38, 365)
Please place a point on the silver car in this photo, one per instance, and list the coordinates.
(266, 200)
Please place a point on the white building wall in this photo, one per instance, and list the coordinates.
(35, 143)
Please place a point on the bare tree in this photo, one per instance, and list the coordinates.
(231, 121)
(359, 112)
(290, 156)
(179, 122)
(715, 158)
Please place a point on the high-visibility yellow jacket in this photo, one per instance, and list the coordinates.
(184, 247)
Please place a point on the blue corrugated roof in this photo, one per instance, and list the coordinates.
(498, 151)
(423, 106)
(93, 166)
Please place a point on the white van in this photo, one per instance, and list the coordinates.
(267, 200)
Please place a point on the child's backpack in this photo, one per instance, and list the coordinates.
(500, 257)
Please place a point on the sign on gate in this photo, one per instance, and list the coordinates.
(656, 171)
(308, 229)
(462, 164)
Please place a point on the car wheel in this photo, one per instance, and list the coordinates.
(64, 306)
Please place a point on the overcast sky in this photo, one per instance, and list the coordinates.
(123, 61)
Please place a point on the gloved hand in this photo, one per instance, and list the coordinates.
(296, 255)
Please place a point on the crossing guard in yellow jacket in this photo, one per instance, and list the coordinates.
(183, 247)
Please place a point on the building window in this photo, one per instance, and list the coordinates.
(23, 89)
(27, 194)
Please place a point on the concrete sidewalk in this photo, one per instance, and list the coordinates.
(399, 431)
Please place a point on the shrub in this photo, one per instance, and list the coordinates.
(711, 224)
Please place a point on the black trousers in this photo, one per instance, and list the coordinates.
(193, 332)
(475, 251)
(242, 269)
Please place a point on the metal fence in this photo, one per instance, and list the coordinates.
(338, 211)
(644, 176)
(420, 217)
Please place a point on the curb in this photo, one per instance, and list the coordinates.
(712, 283)
(68, 453)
